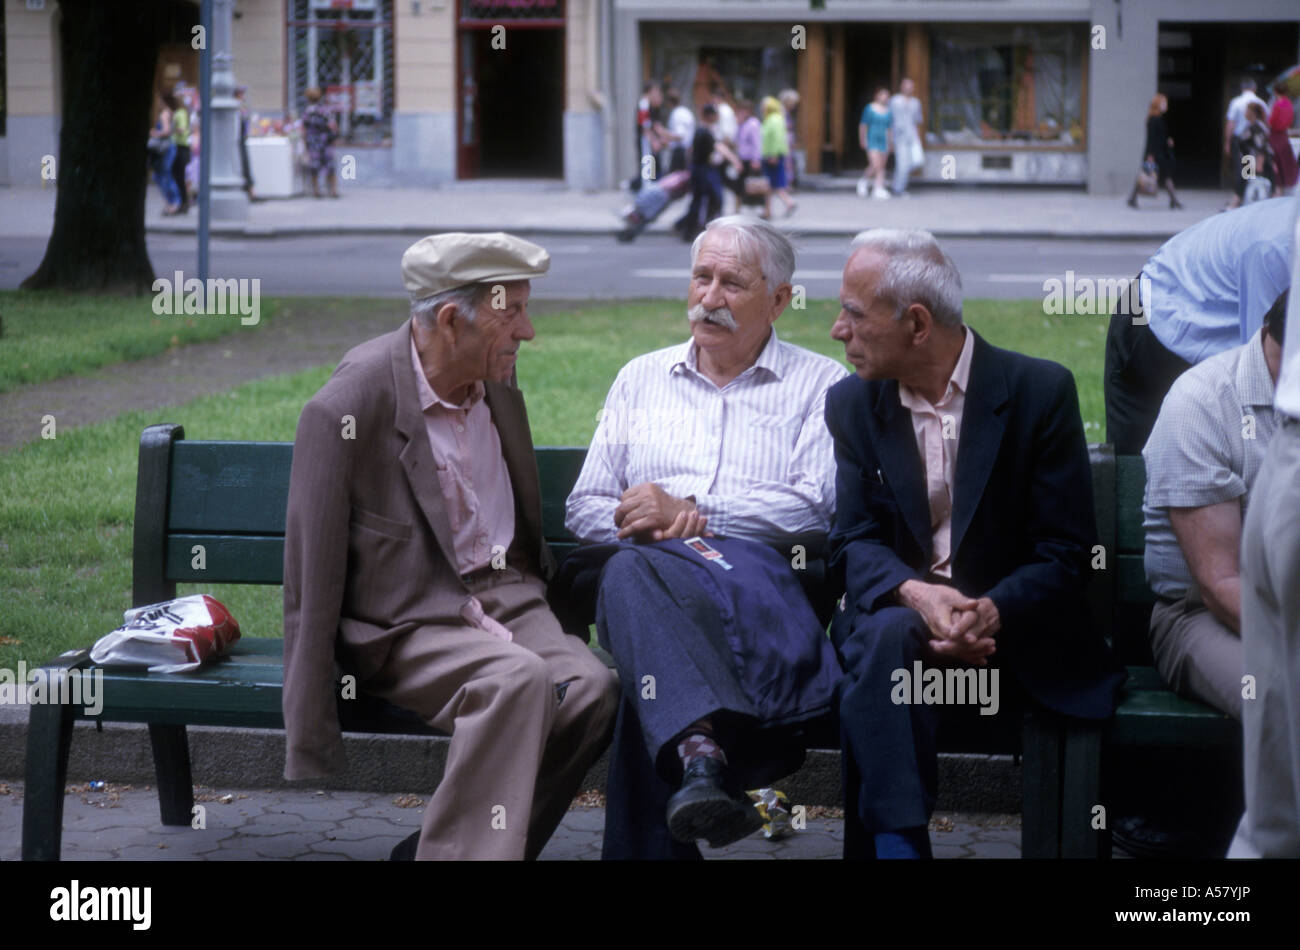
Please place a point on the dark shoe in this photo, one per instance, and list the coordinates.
(404, 850)
(1132, 202)
(709, 806)
(1175, 205)
(1142, 837)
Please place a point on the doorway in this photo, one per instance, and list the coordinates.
(510, 119)
(868, 65)
(1201, 66)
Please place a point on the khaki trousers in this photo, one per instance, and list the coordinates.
(517, 754)
(1197, 655)
(1270, 633)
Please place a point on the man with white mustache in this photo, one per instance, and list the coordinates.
(705, 498)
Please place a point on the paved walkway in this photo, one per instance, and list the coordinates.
(550, 208)
(120, 823)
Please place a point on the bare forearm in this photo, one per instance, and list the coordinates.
(1223, 599)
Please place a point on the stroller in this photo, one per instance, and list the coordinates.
(651, 200)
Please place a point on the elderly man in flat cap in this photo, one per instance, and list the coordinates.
(707, 493)
(414, 554)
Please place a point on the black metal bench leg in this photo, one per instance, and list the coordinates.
(1040, 829)
(1082, 792)
(171, 760)
(49, 737)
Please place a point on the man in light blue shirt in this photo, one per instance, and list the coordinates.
(1206, 290)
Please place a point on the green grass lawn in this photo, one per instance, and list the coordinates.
(66, 504)
(48, 335)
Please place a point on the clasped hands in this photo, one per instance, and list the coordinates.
(648, 513)
(961, 628)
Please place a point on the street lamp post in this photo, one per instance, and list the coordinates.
(221, 188)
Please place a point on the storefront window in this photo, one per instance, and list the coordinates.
(748, 61)
(345, 49)
(1015, 86)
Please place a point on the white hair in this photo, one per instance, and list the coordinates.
(756, 241)
(466, 300)
(918, 272)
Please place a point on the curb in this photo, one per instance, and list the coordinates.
(254, 758)
(293, 231)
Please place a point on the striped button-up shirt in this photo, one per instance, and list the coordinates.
(755, 453)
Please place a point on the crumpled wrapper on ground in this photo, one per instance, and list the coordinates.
(174, 636)
(774, 808)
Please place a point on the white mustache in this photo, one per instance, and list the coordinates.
(721, 316)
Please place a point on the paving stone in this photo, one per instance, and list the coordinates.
(319, 809)
(87, 856)
(269, 825)
(99, 819)
(952, 838)
(195, 842)
(285, 846)
(371, 849)
(950, 852)
(356, 829)
(995, 849)
(223, 855)
(592, 819)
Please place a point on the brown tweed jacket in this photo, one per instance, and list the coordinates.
(368, 552)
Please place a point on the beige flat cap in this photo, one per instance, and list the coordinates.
(442, 262)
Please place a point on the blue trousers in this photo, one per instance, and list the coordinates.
(668, 635)
(890, 759)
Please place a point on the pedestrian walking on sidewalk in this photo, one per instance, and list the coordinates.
(681, 132)
(776, 146)
(1281, 115)
(1159, 151)
(181, 140)
(873, 135)
(789, 99)
(1235, 126)
(162, 154)
(708, 153)
(319, 130)
(241, 93)
(905, 110)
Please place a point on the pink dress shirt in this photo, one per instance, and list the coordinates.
(937, 429)
(472, 474)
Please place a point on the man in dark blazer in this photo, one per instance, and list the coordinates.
(964, 531)
(414, 556)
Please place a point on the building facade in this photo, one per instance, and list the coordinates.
(433, 91)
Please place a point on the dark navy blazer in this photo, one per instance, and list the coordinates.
(1023, 525)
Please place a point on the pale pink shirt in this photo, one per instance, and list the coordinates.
(467, 453)
(937, 429)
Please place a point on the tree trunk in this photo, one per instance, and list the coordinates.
(109, 51)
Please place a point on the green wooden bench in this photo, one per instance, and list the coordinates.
(1150, 716)
(230, 497)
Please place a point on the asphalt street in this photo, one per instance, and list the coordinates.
(582, 267)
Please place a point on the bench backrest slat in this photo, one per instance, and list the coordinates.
(229, 487)
(558, 468)
(230, 498)
(1131, 615)
(220, 517)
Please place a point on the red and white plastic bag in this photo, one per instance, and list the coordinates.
(174, 636)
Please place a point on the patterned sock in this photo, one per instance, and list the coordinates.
(697, 745)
